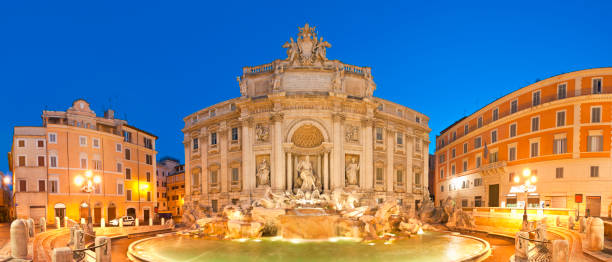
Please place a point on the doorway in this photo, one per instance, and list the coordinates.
(593, 206)
(97, 215)
(60, 212)
(84, 210)
(112, 211)
(146, 216)
(494, 195)
(131, 212)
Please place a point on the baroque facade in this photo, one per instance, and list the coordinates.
(305, 123)
(45, 161)
(558, 128)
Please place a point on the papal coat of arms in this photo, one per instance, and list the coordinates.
(308, 49)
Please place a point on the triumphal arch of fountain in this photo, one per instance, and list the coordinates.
(305, 124)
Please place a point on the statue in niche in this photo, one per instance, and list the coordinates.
(352, 170)
(307, 175)
(262, 133)
(263, 173)
(351, 134)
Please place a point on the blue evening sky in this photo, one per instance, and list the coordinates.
(156, 62)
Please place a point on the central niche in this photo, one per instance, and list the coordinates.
(307, 136)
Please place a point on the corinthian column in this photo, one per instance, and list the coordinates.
(247, 173)
(368, 153)
(289, 171)
(326, 171)
(337, 153)
(278, 163)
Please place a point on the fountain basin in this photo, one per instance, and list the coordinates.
(431, 246)
(311, 226)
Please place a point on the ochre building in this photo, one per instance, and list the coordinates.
(46, 161)
(558, 128)
(305, 123)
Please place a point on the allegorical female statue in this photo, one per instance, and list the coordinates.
(352, 170)
(263, 173)
(307, 175)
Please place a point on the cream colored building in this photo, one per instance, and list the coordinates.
(46, 160)
(305, 122)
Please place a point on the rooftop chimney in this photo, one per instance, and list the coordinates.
(109, 114)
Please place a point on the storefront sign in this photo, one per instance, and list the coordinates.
(521, 189)
(578, 198)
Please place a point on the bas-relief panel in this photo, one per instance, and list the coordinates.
(306, 81)
(354, 87)
(262, 86)
(351, 133)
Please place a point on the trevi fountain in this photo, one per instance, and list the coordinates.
(308, 166)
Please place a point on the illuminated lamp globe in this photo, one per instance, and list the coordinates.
(88, 173)
(78, 180)
(97, 179)
(534, 179)
(517, 179)
(526, 172)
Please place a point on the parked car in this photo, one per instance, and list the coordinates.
(127, 221)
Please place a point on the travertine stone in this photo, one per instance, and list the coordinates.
(43, 224)
(583, 225)
(19, 239)
(61, 254)
(521, 246)
(560, 251)
(595, 237)
(103, 253)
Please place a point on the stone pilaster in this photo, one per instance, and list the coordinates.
(248, 174)
(223, 144)
(390, 171)
(425, 174)
(326, 171)
(289, 171)
(278, 161)
(410, 143)
(367, 169)
(337, 179)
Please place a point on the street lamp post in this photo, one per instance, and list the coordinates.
(87, 184)
(529, 181)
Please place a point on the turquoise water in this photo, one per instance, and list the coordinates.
(426, 247)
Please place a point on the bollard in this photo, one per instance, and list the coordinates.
(19, 239)
(43, 224)
(82, 221)
(150, 221)
(61, 254)
(560, 250)
(103, 253)
(163, 221)
(71, 242)
(583, 225)
(102, 223)
(79, 240)
(58, 223)
(120, 222)
(137, 222)
(66, 222)
(595, 237)
(30, 224)
(521, 246)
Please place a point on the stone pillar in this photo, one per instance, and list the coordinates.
(521, 246)
(289, 171)
(560, 250)
(150, 221)
(595, 237)
(410, 144)
(102, 223)
(318, 166)
(337, 179)
(66, 222)
(224, 176)
(19, 239)
(204, 163)
(137, 220)
(61, 254)
(326, 171)
(79, 240)
(278, 178)
(368, 148)
(389, 181)
(43, 224)
(120, 222)
(247, 173)
(58, 223)
(103, 253)
(163, 221)
(31, 229)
